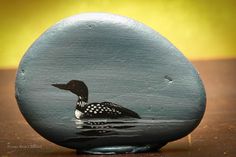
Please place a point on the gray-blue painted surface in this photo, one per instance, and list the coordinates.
(121, 61)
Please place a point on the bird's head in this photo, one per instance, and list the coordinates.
(77, 87)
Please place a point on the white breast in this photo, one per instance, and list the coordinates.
(78, 114)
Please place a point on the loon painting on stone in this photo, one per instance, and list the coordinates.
(94, 110)
(102, 111)
(101, 77)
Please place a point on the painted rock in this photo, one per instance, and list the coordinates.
(103, 83)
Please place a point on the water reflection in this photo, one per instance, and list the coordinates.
(88, 129)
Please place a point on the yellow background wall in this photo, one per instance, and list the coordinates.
(201, 29)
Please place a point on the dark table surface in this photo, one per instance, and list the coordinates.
(215, 136)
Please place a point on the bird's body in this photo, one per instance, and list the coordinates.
(103, 110)
(85, 110)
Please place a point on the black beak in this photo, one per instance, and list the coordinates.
(61, 86)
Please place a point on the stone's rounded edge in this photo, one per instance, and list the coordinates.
(102, 17)
(122, 149)
(203, 100)
(98, 18)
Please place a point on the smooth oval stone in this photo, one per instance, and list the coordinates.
(103, 83)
